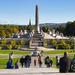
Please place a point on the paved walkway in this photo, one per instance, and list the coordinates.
(33, 71)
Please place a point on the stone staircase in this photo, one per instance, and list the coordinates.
(36, 40)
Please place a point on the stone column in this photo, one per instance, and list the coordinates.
(37, 20)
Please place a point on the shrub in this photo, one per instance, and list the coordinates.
(45, 44)
(9, 47)
(17, 46)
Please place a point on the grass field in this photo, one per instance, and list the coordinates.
(15, 52)
(3, 59)
(57, 51)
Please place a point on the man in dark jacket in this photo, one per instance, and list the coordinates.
(65, 63)
(22, 61)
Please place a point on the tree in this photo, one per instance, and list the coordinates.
(61, 29)
(9, 47)
(30, 28)
(17, 46)
(70, 42)
(63, 45)
(46, 28)
(2, 32)
(3, 41)
(53, 42)
(21, 42)
(12, 42)
(45, 44)
(70, 28)
(15, 30)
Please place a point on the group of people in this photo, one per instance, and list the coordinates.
(65, 63)
(23, 61)
(10, 60)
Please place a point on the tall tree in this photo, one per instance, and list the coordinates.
(70, 28)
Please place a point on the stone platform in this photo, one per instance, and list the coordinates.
(33, 71)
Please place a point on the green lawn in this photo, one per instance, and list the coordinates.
(15, 52)
(57, 51)
(4, 61)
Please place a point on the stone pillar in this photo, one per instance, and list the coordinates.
(37, 27)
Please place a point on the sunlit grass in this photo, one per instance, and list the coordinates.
(15, 52)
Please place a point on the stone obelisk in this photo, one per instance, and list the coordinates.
(37, 27)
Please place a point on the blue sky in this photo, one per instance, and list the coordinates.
(50, 11)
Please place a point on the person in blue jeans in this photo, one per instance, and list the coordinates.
(9, 65)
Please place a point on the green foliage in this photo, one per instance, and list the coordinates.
(45, 44)
(24, 27)
(53, 42)
(9, 47)
(71, 43)
(60, 44)
(46, 28)
(70, 28)
(63, 45)
(30, 28)
(0, 48)
(3, 41)
(12, 42)
(17, 47)
(67, 46)
(61, 29)
(21, 42)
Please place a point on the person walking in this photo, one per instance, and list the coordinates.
(64, 63)
(11, 56)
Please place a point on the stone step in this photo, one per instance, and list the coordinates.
(33, 71)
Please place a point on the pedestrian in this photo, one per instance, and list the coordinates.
(51, 62)
(57, 61)
(47, 62)
(11, 56)
(40, 61)
(27, 60)
(17, 65)
(22, 61)
(64, 63)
